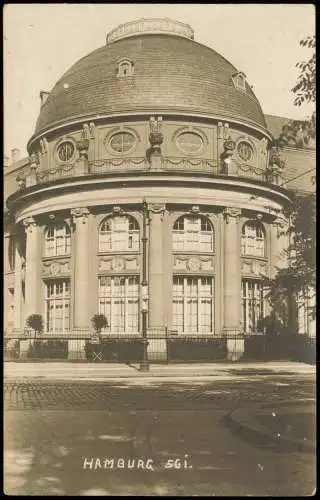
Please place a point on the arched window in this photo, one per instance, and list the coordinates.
(57, 240)
(253, 239)
(193, 233)
(119, 233)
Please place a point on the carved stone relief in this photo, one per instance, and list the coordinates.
(193, 264)
(253, 267)
(56, 268)
(118, 264)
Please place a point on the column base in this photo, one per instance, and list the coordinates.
(76, 350)
(24, 348)
(235, 348)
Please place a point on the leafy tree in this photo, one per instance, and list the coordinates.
(305, 87)
(300, 274)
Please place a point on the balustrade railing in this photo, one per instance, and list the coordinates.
(251, 172)
(97, 167)
(141, 164)
(197, 165)
(54, 174)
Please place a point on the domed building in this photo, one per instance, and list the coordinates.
(151, 195)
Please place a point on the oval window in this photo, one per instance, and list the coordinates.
(189, 143)
(245, 151)
(122, 142)
(65, 151)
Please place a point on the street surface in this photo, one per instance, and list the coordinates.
(148, 437)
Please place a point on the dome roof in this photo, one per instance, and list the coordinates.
(172, 73)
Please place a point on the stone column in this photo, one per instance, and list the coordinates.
(17, 300)
(156, 322)
(6, 294)
(232, 283)
(81, 279)
(32, 268)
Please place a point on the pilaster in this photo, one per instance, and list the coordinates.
(232, 283)
(17, 300)
(32, 272)
(81, 268)
(156, 265)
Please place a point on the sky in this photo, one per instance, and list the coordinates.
(42, 41)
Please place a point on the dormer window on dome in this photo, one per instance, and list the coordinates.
(125, 68)
(239, 80)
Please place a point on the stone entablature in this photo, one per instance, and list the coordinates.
(150, 26)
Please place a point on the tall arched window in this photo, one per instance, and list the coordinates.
(118, 233)
(57, 240)
(193, 233)
(253, 239)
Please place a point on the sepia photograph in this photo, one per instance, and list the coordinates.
(159, 296)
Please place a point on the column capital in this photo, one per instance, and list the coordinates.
(29, 223)
(156, 208)
(80, 214)
(278, 222)
(231, 212)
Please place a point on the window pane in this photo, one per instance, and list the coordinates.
(192, 310)
(57, 306)
(192, 233)
(252, 305)
(119, 302)
(119, 233)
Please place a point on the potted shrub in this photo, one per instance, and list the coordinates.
(35, 322)
(99, 321)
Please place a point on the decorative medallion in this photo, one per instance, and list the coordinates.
(55, 268)
(245, 151)
(194, 265)
(117, 264)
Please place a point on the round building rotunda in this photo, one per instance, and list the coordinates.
(151, 196)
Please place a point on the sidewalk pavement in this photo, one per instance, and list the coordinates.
(104, 371)
(289, 425)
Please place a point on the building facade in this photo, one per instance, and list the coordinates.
(156, 139)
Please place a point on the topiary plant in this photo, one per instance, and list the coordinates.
(99, 321)
(35, 322)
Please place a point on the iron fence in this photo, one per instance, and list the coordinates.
(162, 346)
